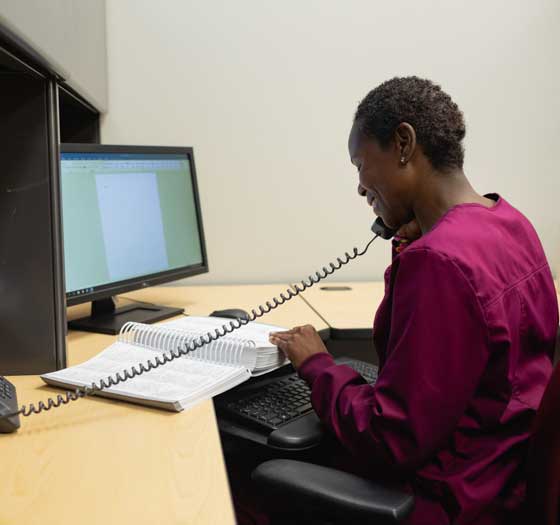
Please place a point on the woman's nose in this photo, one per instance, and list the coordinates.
(361, 190)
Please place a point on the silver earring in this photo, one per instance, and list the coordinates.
(403, 160)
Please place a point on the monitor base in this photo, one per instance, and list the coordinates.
(105, 318)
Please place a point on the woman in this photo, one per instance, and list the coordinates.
(465, 333)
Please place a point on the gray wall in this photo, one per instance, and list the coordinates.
(68, 33)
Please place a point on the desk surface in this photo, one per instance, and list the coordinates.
(202, 300)
(96, 460)
(346, 305)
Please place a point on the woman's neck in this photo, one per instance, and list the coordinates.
(440, 192)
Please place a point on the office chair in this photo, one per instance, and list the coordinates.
(543, 467)
(339, 497)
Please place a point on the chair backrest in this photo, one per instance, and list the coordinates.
(543, 487)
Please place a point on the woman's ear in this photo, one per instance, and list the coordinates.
(405, 140)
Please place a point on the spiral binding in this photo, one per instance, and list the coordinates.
(199, 342)
(169, 338)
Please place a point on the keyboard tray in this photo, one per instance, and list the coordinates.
(243, 411)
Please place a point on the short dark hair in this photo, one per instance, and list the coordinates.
(437, 120)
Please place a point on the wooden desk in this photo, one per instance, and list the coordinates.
(202, 300)
(349, 309)
(101, 461)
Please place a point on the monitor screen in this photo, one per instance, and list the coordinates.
(131, 217)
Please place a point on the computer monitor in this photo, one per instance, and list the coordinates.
(131, 219)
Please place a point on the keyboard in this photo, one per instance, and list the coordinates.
(280, 401)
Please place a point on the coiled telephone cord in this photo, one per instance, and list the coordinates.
(159, 360)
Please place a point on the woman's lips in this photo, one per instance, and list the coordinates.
(373, 201)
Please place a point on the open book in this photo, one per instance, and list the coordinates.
(179, 384)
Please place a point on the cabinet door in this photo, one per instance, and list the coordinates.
(32, 311)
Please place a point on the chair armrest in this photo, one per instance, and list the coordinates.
(333, 492)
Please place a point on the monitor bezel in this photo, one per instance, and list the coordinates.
(137, 283)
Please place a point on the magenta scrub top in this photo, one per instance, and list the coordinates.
(465, 336)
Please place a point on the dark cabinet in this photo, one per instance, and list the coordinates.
(36, 111)
(79, 122)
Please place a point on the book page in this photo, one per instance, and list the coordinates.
(182, 380)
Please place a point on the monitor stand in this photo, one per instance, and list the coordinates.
(106, 318)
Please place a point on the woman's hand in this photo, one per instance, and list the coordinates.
(298, 344)
(410, 231)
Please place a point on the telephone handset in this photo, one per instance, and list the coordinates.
(379, 228)
(9, 412)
